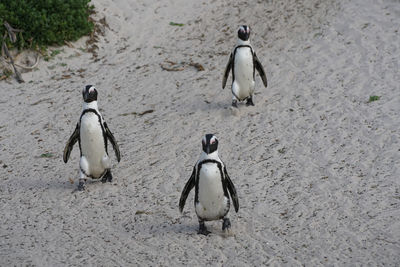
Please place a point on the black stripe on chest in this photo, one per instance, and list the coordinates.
(101, 125)
(233, 60)
(199, 165)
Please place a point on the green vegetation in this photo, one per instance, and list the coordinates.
(46, 155)
(45, 22)
(176, 24)
(373, 98)
(53, 53)
(7, 72)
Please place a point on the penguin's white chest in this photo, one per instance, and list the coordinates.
(92, 143)
(212, 203)
(244, 72)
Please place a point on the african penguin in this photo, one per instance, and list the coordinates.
(243, 62)
(92, 134)
(212, 184)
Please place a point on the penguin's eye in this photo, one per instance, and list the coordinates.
(91, 90)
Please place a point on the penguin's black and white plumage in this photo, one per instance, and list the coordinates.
(212, 184)
(92, 134)
(243, 61)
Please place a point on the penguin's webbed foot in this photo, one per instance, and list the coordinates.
(234, 104)
(249, 101)
(107, 177)
(203, 229)
(226, 224)
(81, 185)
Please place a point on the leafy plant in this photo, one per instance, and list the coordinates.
(176, 24)
(7, 72)
(45, 22)
(373, 98)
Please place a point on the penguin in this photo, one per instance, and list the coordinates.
(212, 184)
(92, 134)
(243, 61)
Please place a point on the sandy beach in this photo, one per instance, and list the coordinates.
(315, 164)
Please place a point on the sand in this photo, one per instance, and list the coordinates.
(316, 166)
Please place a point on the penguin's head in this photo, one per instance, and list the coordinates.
(89, 93)
(244, 33)
(210, 143)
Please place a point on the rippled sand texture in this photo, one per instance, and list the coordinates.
(315, 165)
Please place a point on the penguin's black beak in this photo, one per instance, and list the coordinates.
(89, 94)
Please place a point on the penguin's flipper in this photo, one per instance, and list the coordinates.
(232, 190)
(186, 190)
(111, 137)
(260, 69)
(70, 144)
(227, 70)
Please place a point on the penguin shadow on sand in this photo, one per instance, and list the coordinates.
(56, 185)
(187, 226)
(40, 184)
(92, 185)
(225, 109)
(213, 106)
(221, 107)
(181, 227)
(188, 229)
